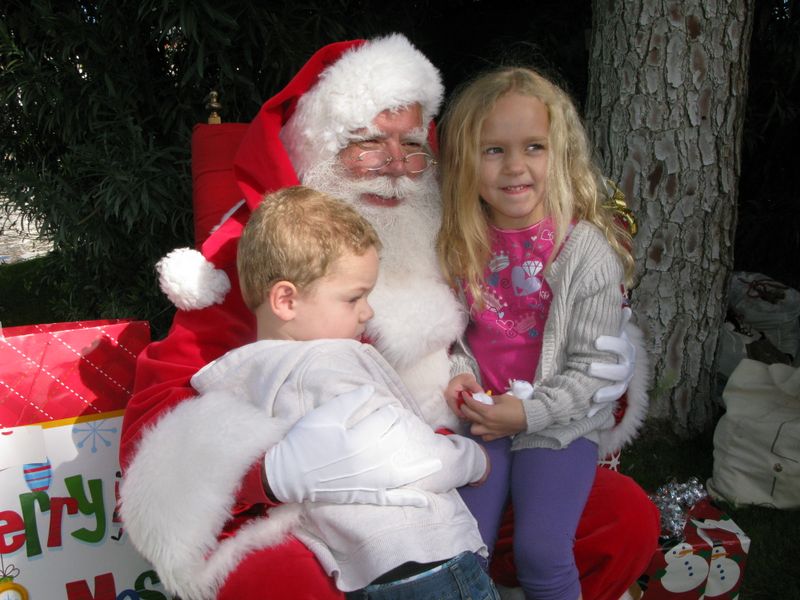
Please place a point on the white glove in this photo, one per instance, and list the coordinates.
(324, 459)
(622, 372)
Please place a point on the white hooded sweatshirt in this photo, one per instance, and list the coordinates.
(356, 543)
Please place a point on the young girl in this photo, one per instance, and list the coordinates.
(541, 266)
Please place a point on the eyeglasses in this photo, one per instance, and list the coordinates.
(374, 160)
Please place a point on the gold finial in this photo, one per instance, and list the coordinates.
(616, 202)
(213, 104)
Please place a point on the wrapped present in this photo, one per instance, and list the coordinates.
(706, 560)
(63, 392)
(64, 370)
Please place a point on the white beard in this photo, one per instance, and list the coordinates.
(417, 316)
(407, 231)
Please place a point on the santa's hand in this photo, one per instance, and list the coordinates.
(621, 372)
(324, 458)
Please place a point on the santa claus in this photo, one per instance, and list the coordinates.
(197, 499)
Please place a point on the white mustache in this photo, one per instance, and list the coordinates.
(388, 187)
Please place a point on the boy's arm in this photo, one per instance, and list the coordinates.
(462, 460)
(373, 469)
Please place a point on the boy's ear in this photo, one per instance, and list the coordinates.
(282, 299)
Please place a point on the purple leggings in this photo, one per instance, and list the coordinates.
(548, 489)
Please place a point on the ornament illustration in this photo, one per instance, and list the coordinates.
(8, 589)
(38, 475)
(493, 302)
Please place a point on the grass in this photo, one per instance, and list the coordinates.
(773, 563)
(658, 456)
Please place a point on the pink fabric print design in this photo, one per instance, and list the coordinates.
(524, 278)
(527, 323)
(498, 263)
(496, 312)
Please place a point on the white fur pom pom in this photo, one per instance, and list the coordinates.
(190, 281)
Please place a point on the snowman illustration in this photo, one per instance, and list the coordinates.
(685, 569)
(724, 572)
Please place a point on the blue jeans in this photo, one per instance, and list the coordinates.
(460, 578)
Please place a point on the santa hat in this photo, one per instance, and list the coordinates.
(342, 87)
(385, 73)
(190, 281)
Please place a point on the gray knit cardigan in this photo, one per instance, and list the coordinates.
(586, 279)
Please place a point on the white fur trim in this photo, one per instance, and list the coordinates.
(173, 511)
(627, 429)
(426, 380)
(385, 73)
(190, 281)
(414, 317)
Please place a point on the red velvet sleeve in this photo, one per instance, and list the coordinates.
(252, 489)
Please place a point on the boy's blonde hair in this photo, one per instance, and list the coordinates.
(572, 179)
(295, 235)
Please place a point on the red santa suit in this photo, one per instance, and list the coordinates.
(192, 497)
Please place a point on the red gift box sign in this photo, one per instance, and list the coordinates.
(65, 370)
(708, 563)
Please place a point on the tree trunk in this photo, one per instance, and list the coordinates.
(665, 108)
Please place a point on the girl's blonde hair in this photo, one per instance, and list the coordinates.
(295, 235)
(573, 181)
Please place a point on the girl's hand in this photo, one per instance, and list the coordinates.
(505, 417)
(464, 382)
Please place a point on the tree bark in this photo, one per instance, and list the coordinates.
(665, 108)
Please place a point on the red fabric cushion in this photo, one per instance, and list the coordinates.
(214, 188)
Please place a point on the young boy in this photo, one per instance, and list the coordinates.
(307, 264)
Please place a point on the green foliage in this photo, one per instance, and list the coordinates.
(95, 148)
(22, 286)
(99, 100)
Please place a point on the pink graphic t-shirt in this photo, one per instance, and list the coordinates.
(505, 336)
